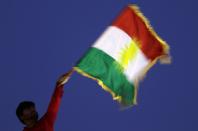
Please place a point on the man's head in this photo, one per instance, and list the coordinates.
(27, 114)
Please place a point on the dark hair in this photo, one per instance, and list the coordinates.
(22, 106)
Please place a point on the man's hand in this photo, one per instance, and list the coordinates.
(64, 78)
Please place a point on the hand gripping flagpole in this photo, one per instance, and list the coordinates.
(65, 77)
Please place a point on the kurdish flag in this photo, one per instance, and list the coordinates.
(123, 54)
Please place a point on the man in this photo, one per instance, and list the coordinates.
(27, 114)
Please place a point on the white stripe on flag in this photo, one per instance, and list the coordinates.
(135, 67)
(113, 41)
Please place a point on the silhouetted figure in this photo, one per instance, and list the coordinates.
(27, 114)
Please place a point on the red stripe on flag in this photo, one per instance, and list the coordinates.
(137, 29)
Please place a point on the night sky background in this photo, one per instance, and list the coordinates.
(42, 39)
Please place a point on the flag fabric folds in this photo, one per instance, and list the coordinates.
(123, 54)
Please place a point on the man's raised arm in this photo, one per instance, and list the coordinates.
(56, 97)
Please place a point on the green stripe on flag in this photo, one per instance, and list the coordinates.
(101, 66)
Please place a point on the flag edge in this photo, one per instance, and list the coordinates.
(106, 88)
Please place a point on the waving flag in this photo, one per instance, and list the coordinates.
(123, 54)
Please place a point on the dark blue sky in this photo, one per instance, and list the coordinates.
(41, 39)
